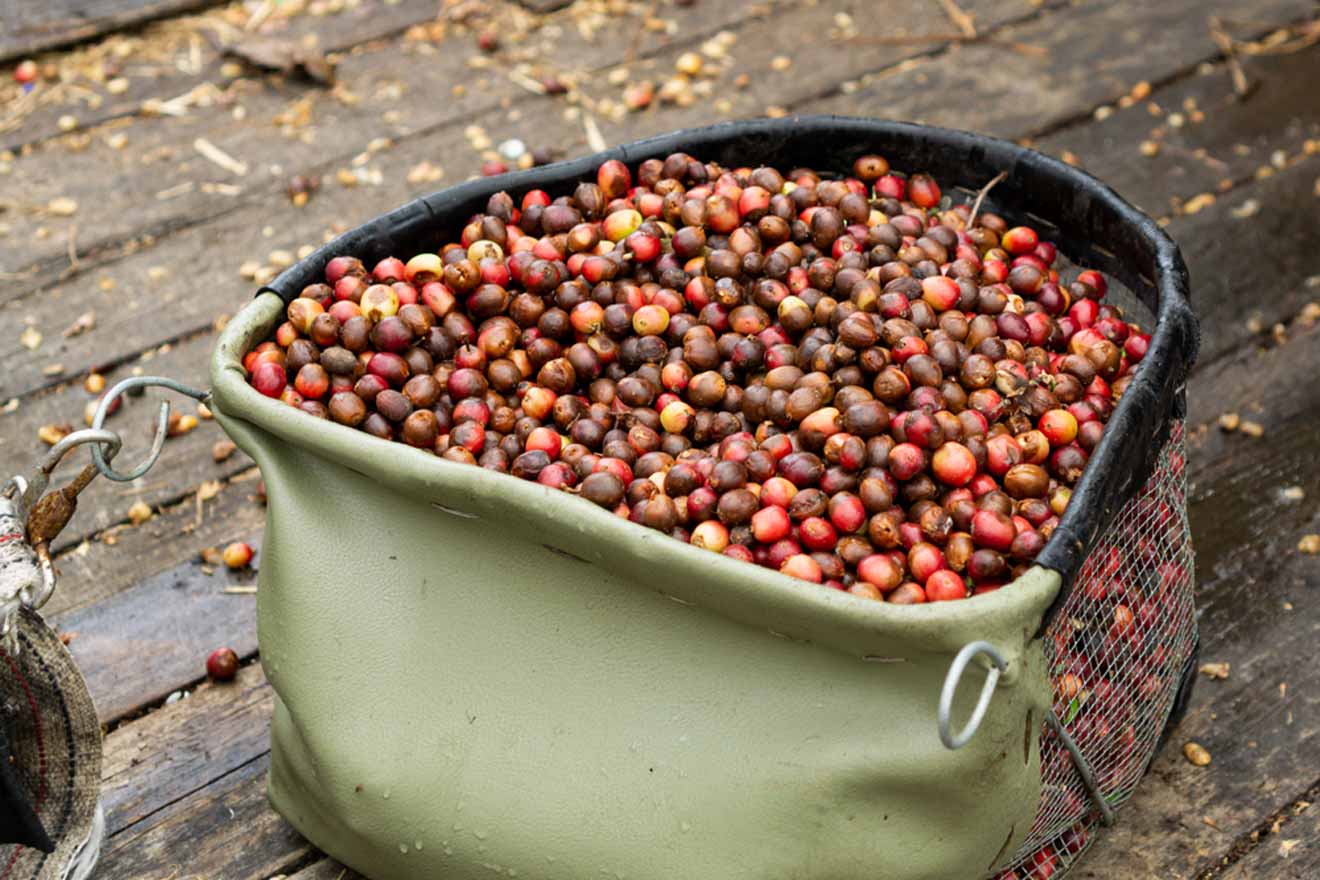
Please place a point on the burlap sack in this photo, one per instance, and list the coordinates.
(50, 745)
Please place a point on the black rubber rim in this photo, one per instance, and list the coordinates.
(1092, 225)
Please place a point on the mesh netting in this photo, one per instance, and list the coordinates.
(1117, 652)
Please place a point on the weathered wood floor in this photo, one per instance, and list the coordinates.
(143, 183)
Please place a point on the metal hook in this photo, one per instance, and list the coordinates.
(162, 422)
(944, 718)
(29, 490)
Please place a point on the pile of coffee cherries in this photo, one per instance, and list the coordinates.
(846, 379)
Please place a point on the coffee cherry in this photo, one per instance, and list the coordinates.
(945, 585)
(269, 379)
(801, 566)
(923, 190)
(1059, 427)
(992, 529)
(237, 555)
(222, 664)
(953, 464)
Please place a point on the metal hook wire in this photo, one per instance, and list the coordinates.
(111, 442)
(162, 422)
(28, 490)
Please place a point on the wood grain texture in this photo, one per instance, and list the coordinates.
(172, 752)
(1232, 139)
(55, 23)
(1065, 66)
(226, 830)
(1252, 269)
(1290, 853)
(142, 644)
(125, 555)
(166, 61)
(326, 869)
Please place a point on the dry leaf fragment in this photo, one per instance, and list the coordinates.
(84, 322)
(214, 154)
(1198, 203)
(179, 425)
(1249, 208)
(208, 490)
(1215, 670)
(222, 450)
(52, 434)
(639, 95)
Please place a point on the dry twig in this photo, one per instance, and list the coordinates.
(960, 19)
(220, 157)
(980, 196)
(73, 249)
(595, 139)
(1227, 46)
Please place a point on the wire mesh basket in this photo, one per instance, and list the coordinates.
(1121, 652)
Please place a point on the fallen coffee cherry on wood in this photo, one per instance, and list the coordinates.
(222, 664)
(836, 378)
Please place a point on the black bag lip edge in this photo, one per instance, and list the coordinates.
(1091, 224)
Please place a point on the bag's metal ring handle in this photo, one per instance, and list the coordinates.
(944, 717)
(162, 422)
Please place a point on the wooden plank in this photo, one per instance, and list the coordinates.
(1292, 852)
(185, 462)
(56, 23)
(226, 830)
(1232, 140)
(171, 58)
(326, 869)
(99, 567)
(142, 644)
(1261, 724)
(1092, 56)
(774, 69)
(174, 751)
(290, 127)
(1269, 248)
